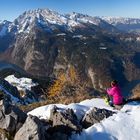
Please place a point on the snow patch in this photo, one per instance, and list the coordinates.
(79, 108)
(20, 83)
(61, 34)
(121, 20)
(103, 48)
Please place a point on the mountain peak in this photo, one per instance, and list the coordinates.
(124, 23)
(44, 14)
(76, 15)
(4, 22)
(43, 17)
(121, 20)
(50, 20)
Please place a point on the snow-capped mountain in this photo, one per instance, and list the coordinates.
(121, 20)
(38, 17)
(7, 33)
(44, 42)
(50, 22)
(125, 24)
(48, 19)
(5, 27)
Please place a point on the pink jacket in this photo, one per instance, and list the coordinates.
(117, 95)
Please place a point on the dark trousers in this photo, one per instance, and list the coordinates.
(110, 100)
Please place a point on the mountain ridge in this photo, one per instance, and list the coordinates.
(47, 17)
(124, 24)
(97, 50)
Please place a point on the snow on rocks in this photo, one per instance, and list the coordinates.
(79, 108)
(20, 83)
(121, 20)
(5, 27)
(47, 18)
(23, 86)
(124, 124)
(117, 126)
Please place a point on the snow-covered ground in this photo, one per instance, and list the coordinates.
(124, 125)
(20, 83)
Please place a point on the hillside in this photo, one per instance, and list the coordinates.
(69, 76)
(47, 44)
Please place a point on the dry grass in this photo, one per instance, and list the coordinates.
(61, 99)
(75, 99)
(135, 96)
(29, 107)
(136, 92)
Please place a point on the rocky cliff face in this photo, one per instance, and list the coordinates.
(47, 43)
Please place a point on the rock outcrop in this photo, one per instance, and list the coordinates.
(64, 121)
(10, 91)
(95, 115)
(61, 124)
(11, 117)
(33, 129)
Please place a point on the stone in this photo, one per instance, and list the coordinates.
(95, 115)
(32, 129)
(64, 121)
(11, 117)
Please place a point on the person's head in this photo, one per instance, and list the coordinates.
(114, 83)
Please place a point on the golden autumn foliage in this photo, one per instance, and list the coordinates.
(56, 93)
(72, 75)
(64, 79)
(58, 85)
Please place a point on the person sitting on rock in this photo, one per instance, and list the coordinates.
(114, 94)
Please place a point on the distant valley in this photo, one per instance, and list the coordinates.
(44, 44)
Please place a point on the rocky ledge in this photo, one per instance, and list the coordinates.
(15, 124)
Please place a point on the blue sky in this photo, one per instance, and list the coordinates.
(10, 9)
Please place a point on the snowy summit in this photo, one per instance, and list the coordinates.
(47, 19)
(123, 125)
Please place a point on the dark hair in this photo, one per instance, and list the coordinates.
(114, 82)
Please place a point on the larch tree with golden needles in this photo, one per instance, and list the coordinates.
(58, 86)
(66, 81)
